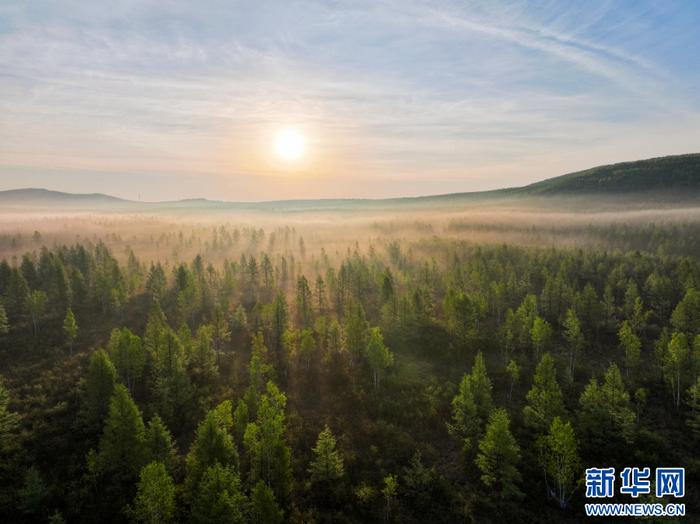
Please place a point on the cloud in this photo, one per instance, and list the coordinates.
(456, 95)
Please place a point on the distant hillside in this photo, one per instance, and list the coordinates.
(678, 174)
(671, 180)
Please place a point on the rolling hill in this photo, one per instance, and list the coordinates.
(671, 180)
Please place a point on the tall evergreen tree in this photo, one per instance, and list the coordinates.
(70, 328)
(544, 400)
(4, 323)
(327, 465)
(378, 355)
(99, 387)
(122, 450)
(155, 495)
(213, 444)
(219, 497)
(264, 508)
(498, 458)
(160, 446)
(265, 441)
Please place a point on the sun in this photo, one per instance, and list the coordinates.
(289, 144)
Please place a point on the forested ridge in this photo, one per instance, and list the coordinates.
(273, 378)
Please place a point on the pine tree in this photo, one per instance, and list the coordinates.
(379, 356)
(219, 497)
(544, 400)
(498, 458)
(70, 328)
(264, 508)
(560, 461)
(155, 495)
(327, 465)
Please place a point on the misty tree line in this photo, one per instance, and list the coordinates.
(397, 381)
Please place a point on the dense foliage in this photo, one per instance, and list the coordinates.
(433, 380)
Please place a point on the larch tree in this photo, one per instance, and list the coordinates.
(160, 446)
(327, 465)
(606, 410)
(498, 457)
(544, 400)
(4, 323)
(122, 449)
(266, 444)
(378, 354)
(99, 387)
(219, 497)
(129, 356)
(574, 339)
(263, 506)
(631, 345)
(36, 303)
(70, 328)
(472, 405)
(693, 420)
(213, 444)
(9, 420)
(155, 495)
(513, 371)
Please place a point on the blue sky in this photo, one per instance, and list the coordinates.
(166, 99)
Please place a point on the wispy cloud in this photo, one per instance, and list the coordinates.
(404, 97)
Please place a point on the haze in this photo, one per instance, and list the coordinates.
(151, 101)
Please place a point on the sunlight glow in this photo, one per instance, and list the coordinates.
(289, 144)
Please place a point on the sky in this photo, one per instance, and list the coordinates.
(161, 100)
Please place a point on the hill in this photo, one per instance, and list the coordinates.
(671, 180)
(679, 174)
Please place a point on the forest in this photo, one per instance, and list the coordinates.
(408, 368)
